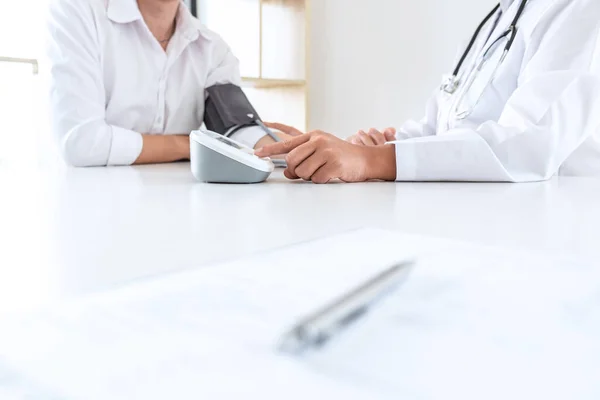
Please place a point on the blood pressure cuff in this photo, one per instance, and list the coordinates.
(227, 109)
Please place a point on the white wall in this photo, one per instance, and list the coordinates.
(373, 63)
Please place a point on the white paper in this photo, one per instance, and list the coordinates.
(469, 323)
(480, 326)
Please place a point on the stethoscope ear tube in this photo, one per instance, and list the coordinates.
(473, 40)
(452, 84)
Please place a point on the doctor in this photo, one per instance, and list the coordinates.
(522, 104)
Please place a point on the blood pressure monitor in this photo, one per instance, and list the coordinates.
(217, 159)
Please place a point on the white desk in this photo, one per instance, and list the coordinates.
(67, 232)
(71, 231)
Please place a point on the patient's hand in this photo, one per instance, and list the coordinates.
(373, 137)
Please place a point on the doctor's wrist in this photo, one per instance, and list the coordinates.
(381, 162)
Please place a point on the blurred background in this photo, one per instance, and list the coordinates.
(336, 65)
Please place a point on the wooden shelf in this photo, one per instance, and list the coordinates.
(270, 38)
(33, 62)
(265, 83)
(283, 39)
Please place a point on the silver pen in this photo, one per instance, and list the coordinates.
(318, 328)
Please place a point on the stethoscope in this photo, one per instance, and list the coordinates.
(452, 84)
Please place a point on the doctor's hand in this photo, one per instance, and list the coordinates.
(373, 137)
(278, 131)
(321, 157)
(284, 132)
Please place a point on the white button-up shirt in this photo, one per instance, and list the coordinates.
(111, 81)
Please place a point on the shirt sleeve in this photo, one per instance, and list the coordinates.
(249, 136)
(551, 113)
(77, 95)
(228, 71)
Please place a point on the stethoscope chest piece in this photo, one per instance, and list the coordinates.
(450, 84)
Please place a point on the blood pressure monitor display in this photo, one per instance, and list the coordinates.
(223, 139)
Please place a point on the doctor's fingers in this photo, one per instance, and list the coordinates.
(354, 139)
(390, 134)
(282, 147)
(378, 137)
(373, 137)
(320, 168)
(297, 157)
(307, 169)
(325, 174)
(364, 139)
(289, 130)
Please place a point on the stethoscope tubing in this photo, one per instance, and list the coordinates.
(452, 86)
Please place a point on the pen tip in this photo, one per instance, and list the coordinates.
(290, 344)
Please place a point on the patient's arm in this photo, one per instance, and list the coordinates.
(163, 149)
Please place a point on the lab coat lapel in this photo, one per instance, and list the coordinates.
(505, 4)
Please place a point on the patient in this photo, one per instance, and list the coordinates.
(128, 80)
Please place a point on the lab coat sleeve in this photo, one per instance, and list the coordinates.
(228, 71)
(77, 95)
(554, 109)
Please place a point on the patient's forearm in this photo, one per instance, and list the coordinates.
(169, 148)
(164, 148)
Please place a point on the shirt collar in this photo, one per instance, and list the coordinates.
(190, 26)
(125, 11)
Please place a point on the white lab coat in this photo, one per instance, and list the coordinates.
(540, 116)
